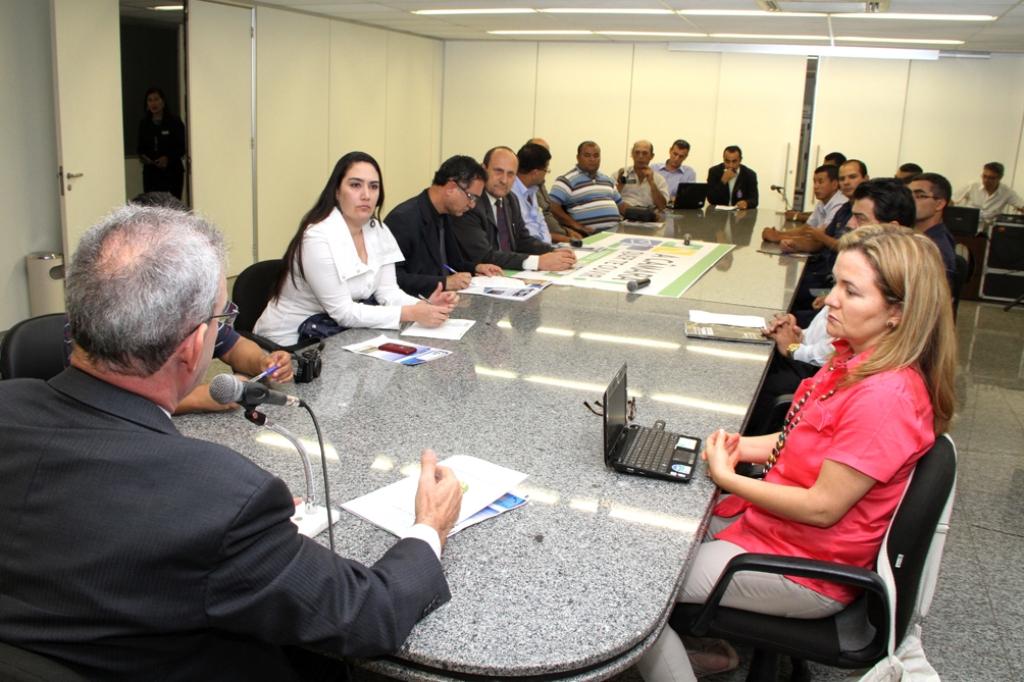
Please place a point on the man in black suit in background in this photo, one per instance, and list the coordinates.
(730, 183)
(494, 231)
(132, 552)
(422, 227)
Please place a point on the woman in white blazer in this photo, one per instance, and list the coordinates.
(340, 266)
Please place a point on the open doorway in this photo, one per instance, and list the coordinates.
(153, 98)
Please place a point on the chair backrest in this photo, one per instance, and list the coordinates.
(918, 529)
(252, 291)
(34, 348)
(961, 274)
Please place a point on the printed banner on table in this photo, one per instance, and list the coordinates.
(609, 260)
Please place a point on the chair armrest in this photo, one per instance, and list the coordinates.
(785, 565)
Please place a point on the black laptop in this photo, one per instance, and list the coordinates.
(962, 220)
(642, 450)
(691, 195)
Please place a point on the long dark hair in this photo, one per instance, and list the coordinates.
(325, 203)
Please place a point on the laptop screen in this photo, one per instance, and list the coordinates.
(614, 412)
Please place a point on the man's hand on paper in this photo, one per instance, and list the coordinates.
(438, 496)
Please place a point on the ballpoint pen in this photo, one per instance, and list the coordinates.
(265, 373)
(449, 268)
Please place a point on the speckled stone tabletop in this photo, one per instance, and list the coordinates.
(579, 581)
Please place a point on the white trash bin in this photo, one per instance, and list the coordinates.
(45, 282)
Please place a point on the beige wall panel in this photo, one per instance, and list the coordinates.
(414, 76)
(220, 130)
(583, 93)
(292, 73)
(483, 107)
(760, 103)
(675, 95)
(848, 120)
(358, 97)
(962, 113)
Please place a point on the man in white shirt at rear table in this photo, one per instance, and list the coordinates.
(989, 195)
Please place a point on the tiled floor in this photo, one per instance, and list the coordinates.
(975, 631)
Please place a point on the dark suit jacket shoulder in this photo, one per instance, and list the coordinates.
(477, 234)
(746, 187)
(412, 224)
(133, 552)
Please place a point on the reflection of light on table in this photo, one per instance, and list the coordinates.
(564, 383)
(555, 331)
(410, 469)
(648, 518)
(496, 373)
(586, 504)
(383, 463)
(630, 340)
(312, 447)
(541, 495)
(709, 405)
(504, 324)
(722, 353)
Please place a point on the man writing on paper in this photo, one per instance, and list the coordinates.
(132, 552)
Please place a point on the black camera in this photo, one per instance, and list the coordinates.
(308, 364)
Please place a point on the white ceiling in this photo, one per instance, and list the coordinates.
(1006, 34)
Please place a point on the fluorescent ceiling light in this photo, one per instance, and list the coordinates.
(541, 33)
(655, 34)
(603, 10)
(485, 10)
(915, 41)
(913, 17)
(746, 13)
(167, 8)
(766, 36)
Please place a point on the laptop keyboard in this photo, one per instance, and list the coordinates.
(652, 450)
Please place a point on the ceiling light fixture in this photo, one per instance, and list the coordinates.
(653, 34)
(541, 33)
(602, 10)
(746, 13)
(488, 10)
(765, 36)
(914, 17)
(914, 41)
(167, 8)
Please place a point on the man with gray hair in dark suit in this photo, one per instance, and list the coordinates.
(132, 552)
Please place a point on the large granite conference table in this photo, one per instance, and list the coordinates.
(577, 583)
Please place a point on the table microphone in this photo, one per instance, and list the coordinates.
(227, 388)
(631, 285)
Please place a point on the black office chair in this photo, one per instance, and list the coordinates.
(19, 665)
(252, 290)
(962, 273)
(857, 636)
(34, 348)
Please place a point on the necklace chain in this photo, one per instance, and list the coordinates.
(793, 418)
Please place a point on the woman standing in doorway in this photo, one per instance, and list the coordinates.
(161, 146)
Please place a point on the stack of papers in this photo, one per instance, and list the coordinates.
(746, 328)
(485, 493)
(452, 329)
(506, 288)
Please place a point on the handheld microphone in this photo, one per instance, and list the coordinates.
(227, 388)
(634, 284)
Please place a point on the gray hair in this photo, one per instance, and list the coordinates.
(140, 282)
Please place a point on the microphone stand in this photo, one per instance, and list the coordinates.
(311, 517)
(782, 193)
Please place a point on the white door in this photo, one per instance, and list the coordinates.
(86, 40)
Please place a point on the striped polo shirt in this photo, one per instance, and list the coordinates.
(590, 200)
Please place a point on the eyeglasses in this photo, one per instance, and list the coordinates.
(921, 194)
(473, 198)
(598, 409)
(226, 318)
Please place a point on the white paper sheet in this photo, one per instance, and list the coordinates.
(704, 317)
(453, 330)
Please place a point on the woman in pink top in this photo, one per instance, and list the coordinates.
(840, 464)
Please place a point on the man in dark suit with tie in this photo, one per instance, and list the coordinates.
(494, 231)
(422, 227)
(132, 552)
(730, 183)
